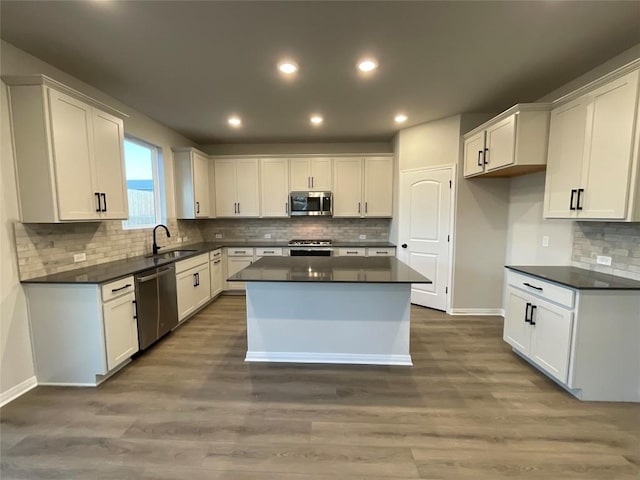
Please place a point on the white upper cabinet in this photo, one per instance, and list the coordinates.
(69, 153)
(363, 187)
(513, 143)
(592, 169)
(274, 180)
(311, 174)
(192, 183)
(237, 187)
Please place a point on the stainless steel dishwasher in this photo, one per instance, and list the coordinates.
(156, 303)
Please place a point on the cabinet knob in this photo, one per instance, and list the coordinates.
(404, 245)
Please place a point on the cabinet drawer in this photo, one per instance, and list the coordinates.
(215, 254)
(541, 288)
(240, 252)
(352, 252)
(191, 262)
(381, 252)
(118, 288)
(268, 252)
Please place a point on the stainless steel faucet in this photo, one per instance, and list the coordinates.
(155, 245)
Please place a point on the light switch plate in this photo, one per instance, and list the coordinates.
(603, 260)
(545, 240)
(218, 235)
(362, 237)
(267, 235)
(79, 257)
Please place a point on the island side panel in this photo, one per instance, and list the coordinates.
(351, 323)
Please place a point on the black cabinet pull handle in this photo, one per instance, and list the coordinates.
(526, 313)
(104, 201)
(573, 193)
(195, 284)
(135, 309)
(532, 286)
(114, 290)
(479, 158)
(216, 262)
(238, 207)
(404, 245)
(533, 307)
(579, 203)
(99, 209)
(366, 207)
(197, 207)
(486, 150)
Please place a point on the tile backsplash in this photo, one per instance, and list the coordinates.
(620, 241)
(44, 249)
(283, 229)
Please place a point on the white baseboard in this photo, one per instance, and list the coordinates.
(18, 390)
(345, 358)
(477, 311)
(67, 384)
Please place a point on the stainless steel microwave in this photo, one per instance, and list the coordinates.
(310, 203)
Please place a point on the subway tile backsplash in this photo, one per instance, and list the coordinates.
(620, 241)
(45, 249)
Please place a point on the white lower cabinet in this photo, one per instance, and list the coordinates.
(193, 284)
(585, 339)
(215, 270)
(238, 258)
(81, 332)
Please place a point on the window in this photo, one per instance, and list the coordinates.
(142, 171)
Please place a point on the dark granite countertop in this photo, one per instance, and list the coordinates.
(578, 278)
(106, 272)
(329, 269)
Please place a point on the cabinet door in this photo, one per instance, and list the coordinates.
(225, 182)
(300, 174)
(120, 329)
(321, 174)
(201, 185)
(248, 187)
(202, 292)
(274, 180)
(474, 154)
(108, 144)
(72, 155)
(517, 332)
(347, 192)
(186, 285)
(234, 265)
(500, 142)
(551, 338)
(607, 167)
(378, 187)
(215, 267)
(565, 157)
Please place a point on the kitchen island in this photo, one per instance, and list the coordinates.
(351, 310)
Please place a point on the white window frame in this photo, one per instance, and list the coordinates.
(158, 183)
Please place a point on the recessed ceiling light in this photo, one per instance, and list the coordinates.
(234, 121)
(288, 67)
(367, 65)
(400, 118)
(316, 119)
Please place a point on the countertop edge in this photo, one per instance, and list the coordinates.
(521, 269)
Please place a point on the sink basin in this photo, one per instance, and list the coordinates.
(173, 254)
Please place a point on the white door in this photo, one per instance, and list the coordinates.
(347, 192)
(425, 226)
(72, 150)
(108, 141)
(378, 187)
(201, 185)
(274, 178)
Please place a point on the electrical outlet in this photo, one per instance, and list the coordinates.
(218, 235)
(603, 260)
(79, 257)
(362, 237)
(545, 240)
(267, 235)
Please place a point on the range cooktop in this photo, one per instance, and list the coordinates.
(310, 243)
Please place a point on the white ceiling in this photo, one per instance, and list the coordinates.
(189, 65)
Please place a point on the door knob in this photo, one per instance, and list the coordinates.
(404, 245)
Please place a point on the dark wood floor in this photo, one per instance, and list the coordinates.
(190, 408)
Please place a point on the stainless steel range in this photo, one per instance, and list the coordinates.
(310, 248)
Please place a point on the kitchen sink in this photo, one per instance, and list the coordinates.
(172, 254)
